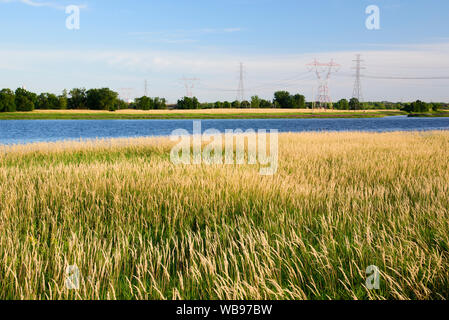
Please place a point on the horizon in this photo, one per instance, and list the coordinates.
(120, 45)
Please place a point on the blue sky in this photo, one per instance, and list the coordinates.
(123, 42)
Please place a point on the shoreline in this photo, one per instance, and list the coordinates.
(132, 139)
(196, 114)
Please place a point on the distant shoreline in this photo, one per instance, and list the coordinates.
(430, 115)
(196, 114)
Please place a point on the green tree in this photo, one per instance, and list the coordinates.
(227, 105)
(236, 104)
(188, 103)
(122, 104)
(144, 103)
(436, 106)
(218, 105)
(102, 99)
(48, 101)
(265, 104)
(7, 101)
(255, 102)
(63, 100)
(420, 106)
(42, 101)
(245, 104)
(298, 101)
(25, 100)
(354, 104)
(160, 103)
(343, 104)
(282, 99)
(77, 99)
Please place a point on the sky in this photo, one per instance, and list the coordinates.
(122, 43)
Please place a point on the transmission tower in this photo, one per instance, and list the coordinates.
(357, 93)
(145, 90)
(241, 88)
(323, 72)
(125, 93)
(189, 84)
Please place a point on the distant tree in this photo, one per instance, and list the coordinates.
(188, 103)
(236, 104)
(42, 101)
(407, 107)
(218, 105)
(255, 102)
(436, 106)
(245, 104)
(63, 100)
(282, 99)
(48, 101)
(419, 106)
(7, 101)
(265, 104)
(343, 104)
(77, 99)
(161, 103)
(122, 104)
(354, 104)
(376, 105)
(102, 99)
(298, 101)
(206, 105)
(144, 103)
(226, 105)
(25, 100)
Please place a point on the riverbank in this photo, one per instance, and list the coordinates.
(139, 227)
(442, 114)
(196, 114)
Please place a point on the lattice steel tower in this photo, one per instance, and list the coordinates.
(241, 88)
(357, 93)
(189, 84)
(323, 72)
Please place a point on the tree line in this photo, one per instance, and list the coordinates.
(77, 99)
(107, 99)
(282, 99)
(422, 107)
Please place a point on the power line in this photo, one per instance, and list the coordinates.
(405, 78)
(291, 81)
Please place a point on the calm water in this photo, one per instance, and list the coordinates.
(27, 131)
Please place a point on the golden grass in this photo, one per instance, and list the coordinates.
(139, 227)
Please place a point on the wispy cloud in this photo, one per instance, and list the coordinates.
(180, 36)
(178, 32)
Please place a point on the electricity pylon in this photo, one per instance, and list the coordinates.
(241, 88)
(357, 93)
(323, 72)
(189, 84)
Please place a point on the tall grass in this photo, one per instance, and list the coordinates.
(139, 227)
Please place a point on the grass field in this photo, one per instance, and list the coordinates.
(139, 227)
(195, 114)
